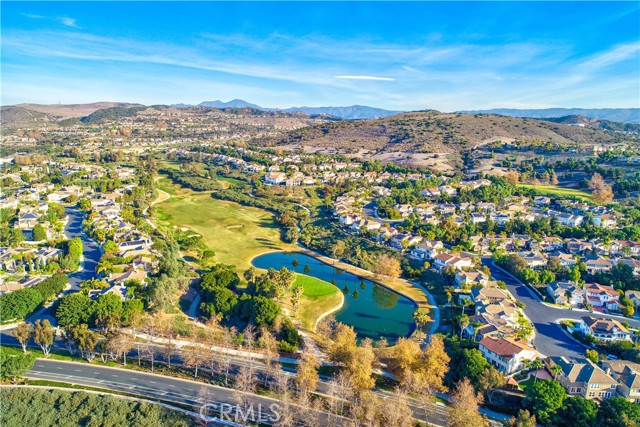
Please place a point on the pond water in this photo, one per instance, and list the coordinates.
(373, 310)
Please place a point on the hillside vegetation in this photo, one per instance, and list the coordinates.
(29, 407)
(435, 132)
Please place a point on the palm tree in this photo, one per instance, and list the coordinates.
(463, 322)
(104, 266)
(421, 317)
(556, 370)
(535, 365)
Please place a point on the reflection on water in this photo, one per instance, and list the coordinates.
(373, 310)
(384, 298)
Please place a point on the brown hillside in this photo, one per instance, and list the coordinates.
(416, 136)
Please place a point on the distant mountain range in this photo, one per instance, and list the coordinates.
(353, 112)
(622, 115)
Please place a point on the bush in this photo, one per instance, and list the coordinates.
(23, 406)
(20, 304)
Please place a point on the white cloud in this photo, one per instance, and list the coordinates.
(386, 79)
(68, 22)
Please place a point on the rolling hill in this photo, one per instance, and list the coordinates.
(410, 138)
(622, 115)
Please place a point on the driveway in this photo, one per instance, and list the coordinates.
(550, 338)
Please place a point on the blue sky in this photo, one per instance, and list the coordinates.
(406, 56)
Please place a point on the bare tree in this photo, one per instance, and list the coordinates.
(194, 358)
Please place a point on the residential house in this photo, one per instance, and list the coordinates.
(597, 263)
(275, 178)
(582, 377)
(634, 296)
(633, 263)
(570, 220)
(470, 279)
(604, 329)
(604, 221)
(27, 221)
(577, 246)
(507, 355)
(602, 296)
(627, 374)
(565, 260)
(565, 293)
(533, 260)
(443, 260)
(477, 218)
(427, 249)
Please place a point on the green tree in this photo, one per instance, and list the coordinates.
(577, 412)
(74, 309)
(544, 398)
(23, 333)
(421, 317)
(618, 412)
(264, 311)
(39, 233)
(43, 335)
(524, 419)
(14, 366)
(107, 306)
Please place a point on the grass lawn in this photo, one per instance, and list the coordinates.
(319, 297)
(553, 191)
(529, 382)
(234, 232)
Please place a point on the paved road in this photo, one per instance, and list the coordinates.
(143, 384)
(550, 339)
(91, 253)
(371, 210)
(170, 389)
(91, 250)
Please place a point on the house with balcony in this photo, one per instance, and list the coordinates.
(597, 263)
(602, 296)
(604, 329)
(582, 377)
(507, 355)
(427, 249)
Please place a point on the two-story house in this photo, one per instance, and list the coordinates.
(427, 249)
(565, 293)
(507, 355)
(628, 376)
(582, 377)
(604, 329)
(470, 279)
(602, 296)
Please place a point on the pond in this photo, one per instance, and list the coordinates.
(373, 310)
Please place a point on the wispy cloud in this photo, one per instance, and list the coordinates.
(68, 22)
(64, 20)
(384, 79)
